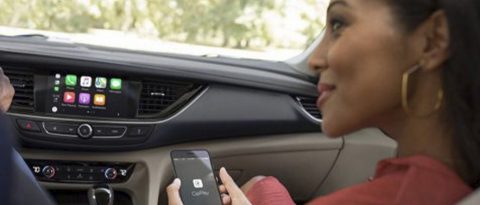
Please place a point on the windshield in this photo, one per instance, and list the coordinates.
(258, 29)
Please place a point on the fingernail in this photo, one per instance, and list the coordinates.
(177, 181)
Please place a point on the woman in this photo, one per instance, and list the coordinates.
(410, 68)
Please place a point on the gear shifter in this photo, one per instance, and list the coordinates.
(100, 194)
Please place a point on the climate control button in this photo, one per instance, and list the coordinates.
(111, 173)
(48, 171)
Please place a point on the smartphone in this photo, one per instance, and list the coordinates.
(194, 169)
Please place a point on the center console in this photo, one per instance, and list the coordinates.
(101, 110)
(84, 122)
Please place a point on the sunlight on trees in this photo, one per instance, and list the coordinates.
(245, 24)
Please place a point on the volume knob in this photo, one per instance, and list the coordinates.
(85, 131)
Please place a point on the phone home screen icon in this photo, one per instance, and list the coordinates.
(84, 98)
(101, 82)
(86, 81)
(197, 183)
(69, 97)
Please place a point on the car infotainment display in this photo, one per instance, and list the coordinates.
(87, 95)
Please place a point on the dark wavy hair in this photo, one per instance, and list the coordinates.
(460, 73)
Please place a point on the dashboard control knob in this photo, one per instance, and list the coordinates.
(111, 173)
(48, 171)
(85, 131)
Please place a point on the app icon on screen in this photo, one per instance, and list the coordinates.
(56, 89)
(101, 82)
(58, 76)
(197, 183)
(69, 97)
(116, 84)
(99, 99)
(84, 98)
(86, 81)
(71, 80)
(57, 82)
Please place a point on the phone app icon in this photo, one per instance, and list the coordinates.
(56, 89)
(99, 99)
(116, 84)
(101, 82)
(86, 81)
(71, 80)
(69, 97)
(84, 98)
(197, 183)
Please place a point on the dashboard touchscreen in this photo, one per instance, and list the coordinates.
(88, 95)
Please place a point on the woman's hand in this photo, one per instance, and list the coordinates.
(173, 193)
(231, 194)
(6, 92)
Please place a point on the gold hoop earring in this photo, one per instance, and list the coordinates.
(406, 107)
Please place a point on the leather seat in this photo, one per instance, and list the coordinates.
(472, 199)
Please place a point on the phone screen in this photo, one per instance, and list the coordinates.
(194, 169)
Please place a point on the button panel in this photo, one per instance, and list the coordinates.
(80, 172)
(84, 133)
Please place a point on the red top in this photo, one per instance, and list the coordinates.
(410, 180)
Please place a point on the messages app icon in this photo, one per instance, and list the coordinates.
(71, 80)
(101, 82)
(116, 84)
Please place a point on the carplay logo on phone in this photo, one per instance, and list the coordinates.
(200, 193)
(197, 183)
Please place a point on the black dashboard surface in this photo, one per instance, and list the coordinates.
(237, 98)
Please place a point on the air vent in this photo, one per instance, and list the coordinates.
(23, 82)
(161, 96)
(310, 106)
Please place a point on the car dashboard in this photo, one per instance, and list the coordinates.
(97, 115)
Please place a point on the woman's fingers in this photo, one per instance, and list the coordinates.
(173, 193)
(228, 182)
(236, 195)
(226, 200)
(222, 189)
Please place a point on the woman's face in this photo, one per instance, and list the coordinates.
(361, 60)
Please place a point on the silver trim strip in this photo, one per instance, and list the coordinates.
(319, 121)
(93, 137)
(110, 137)
(56, 134)
(37, 117)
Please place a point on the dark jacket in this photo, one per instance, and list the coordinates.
(18, 186)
